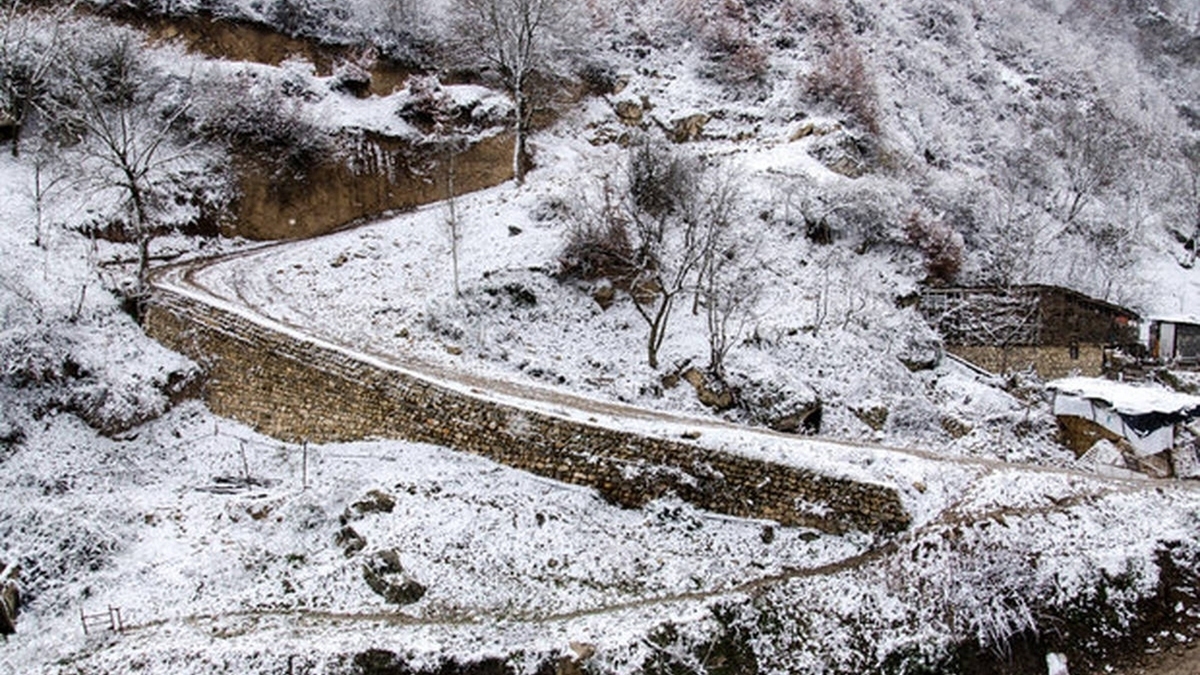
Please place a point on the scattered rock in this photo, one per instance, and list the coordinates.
(376, 501)
(875, 416)
(10, 600)
(690, 435)
(768, 534)
(629, 112)
(711, 390)
(604, 294)
(568, 665)
(689, 129)
(350, 540)
(454, 350)
(814, 127)
(670, 380)
(583, 650)
(604, 134)
(513, 230)
(955, 427)
(385, 575)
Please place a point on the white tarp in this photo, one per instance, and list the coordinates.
(1112, 404)
(1128, 399)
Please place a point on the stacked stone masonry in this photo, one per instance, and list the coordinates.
(1050, 362)
(297, 390)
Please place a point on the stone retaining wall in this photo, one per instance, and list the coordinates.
(297, 390)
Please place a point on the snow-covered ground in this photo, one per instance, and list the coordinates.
(255, 580)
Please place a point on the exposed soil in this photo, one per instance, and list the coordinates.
(242, 41)
(390, 174)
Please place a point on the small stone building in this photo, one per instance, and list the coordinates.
(1175, 340)
(1055, 331)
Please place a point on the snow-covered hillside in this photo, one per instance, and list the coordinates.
(851, 144)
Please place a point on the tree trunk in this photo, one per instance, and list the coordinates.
(658, 328)
(143, 233)
(519, 141)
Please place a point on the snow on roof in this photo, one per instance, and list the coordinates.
(1128, 399)
(1175, 318)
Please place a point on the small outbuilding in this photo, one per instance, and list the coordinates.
(1175, 340)
(1143, 423)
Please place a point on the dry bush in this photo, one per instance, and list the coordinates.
(942, 247)
(723, 28)
(598, 249)
(840, 75)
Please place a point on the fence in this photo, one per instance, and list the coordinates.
(109, 620)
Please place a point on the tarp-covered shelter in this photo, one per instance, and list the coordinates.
(1145, 417)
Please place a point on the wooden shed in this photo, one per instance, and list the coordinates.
(1175, 340)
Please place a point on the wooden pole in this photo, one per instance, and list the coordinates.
(245, 464)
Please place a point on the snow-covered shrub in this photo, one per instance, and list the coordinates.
(939, 243)
(255, 114)
(658, 177)
(597, 247)
(32, 355)
(840, 74)
(599, 78)
(428, 103)
(723, 28)
(865, 214)
(54, 546)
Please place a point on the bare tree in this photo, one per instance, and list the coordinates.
(1190, 150)
(515, 38)
(29, 46)
(1017, 235)
(679, 215)
(453, 222)
(1091, 142)
(48, 179)
(728, 285)
(131, 143)
(732, 290)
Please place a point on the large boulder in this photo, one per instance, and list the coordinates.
(688, 129)
(787, 407)
(710, 389)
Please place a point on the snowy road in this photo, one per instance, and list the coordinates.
(230, 282)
